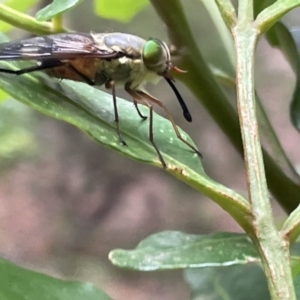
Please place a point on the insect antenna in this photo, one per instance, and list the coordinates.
(185, 110)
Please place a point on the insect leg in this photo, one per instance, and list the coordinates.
(43, 66)
(170, 117)
(128, 90)
(139, 99)
(138, 110)
(111, 84)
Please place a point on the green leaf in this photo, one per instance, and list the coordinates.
(295, 254)
(237, 282)
(57, 7)
(260, 5)
(295, 105)
(92, 111)
(21, 6)
(120, 10)
(3, 96)
(297, 286)
(22, 284)
(228, 283)
(176, 250)
(280, 36)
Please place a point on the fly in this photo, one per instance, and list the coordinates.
(107, 59)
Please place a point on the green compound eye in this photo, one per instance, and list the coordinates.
(155, 56)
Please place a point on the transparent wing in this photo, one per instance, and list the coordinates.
(58, 46)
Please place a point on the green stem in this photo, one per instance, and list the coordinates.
(57, 23)
(273, 248)
(245, 11)
(227, 11)
(24, 21)
(270, 138)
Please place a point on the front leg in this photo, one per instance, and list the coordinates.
(111, 85)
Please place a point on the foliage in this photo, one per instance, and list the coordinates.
(19, 283)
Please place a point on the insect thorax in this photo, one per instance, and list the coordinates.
(125, 71)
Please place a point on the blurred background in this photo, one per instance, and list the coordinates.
(66, 201)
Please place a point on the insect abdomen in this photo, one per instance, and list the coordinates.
(81, 69)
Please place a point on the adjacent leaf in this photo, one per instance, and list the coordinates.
(176, 250)
(297, 286)
(22, 284)
(295, 105)
(295, 250)
(260, 5)
(235, 283)
(20, 6)
(295, 265)
(55, 8)
(295, 247)
(289, 42)
(280, 36)
(120, 10)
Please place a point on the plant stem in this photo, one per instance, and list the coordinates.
(227, 11)
(273, 248)
(57, 23)
(24, 21)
